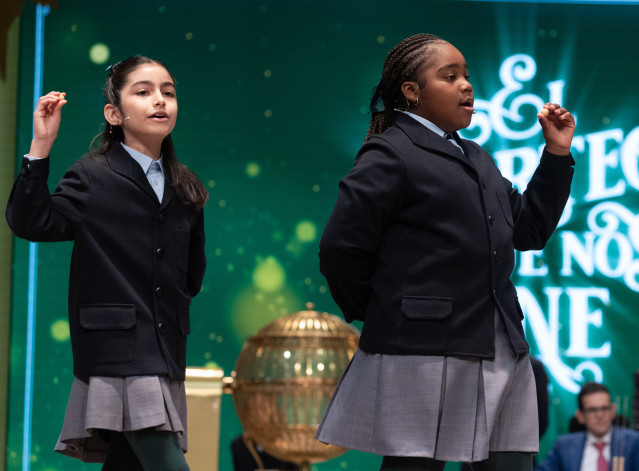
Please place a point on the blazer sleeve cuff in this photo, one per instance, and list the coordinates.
(34, 168)
(556, 162)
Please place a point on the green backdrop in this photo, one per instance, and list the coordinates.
(273, 98)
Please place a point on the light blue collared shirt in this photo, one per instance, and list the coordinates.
(433, 128)
(152, 169)
(426, 123)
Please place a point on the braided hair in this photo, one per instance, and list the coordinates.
(401, 65)
(184, 181)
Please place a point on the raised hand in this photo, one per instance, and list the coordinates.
(558, 128)
(46, 122)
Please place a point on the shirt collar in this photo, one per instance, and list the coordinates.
(426, 123)
(592, 439)
(144, 160)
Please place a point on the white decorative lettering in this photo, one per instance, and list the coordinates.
(580, 319)
(607, 247)
(528, 265)
(600, 160)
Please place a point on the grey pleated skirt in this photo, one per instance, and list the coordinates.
(120, 404)
(446, 408)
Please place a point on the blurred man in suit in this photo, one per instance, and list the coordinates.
(601, 447)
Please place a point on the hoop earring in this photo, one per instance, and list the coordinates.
(409, 105)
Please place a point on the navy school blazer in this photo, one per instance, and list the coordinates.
(420, 244)
(136, 262)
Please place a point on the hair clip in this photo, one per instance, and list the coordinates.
(110, 68)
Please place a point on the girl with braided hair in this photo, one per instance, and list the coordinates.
(134, 214)
(420, 248)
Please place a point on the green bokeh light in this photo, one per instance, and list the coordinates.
(306, 231)
(253, 309)
(269, 275)
(253, 169)
(99, 53)
(60, 330)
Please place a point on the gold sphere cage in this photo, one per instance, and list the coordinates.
(283, 381)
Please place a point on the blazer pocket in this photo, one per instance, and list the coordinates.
(425, 324)
(107, 333)
(504, 203)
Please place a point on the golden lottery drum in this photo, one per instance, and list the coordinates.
(283, 381)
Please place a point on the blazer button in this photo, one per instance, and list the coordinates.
(161, 327)
(495, 255)
(159, 292)
(161, 217)
(490, 219)
(159, 253)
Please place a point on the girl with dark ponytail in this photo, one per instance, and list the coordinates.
(420, 247)
(187, 185)
(134, 214)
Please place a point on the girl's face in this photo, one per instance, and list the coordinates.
(148, 108)
(446, 96)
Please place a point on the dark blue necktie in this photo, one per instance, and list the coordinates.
(451, 138)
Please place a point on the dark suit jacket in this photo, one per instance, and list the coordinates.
(136, 263)
(243, 460)
(420, 242)
(567, 452)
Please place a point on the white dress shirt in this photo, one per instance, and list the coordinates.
(591, 453)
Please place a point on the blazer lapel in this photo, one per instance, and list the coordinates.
(424, 137)
(576, 452)
(169, 192)
(122, 163)
(617, 443)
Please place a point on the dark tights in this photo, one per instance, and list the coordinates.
(144, 450)
(407, 463)
(497, 461)
(505, 460)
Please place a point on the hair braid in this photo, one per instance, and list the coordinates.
(402, 64)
